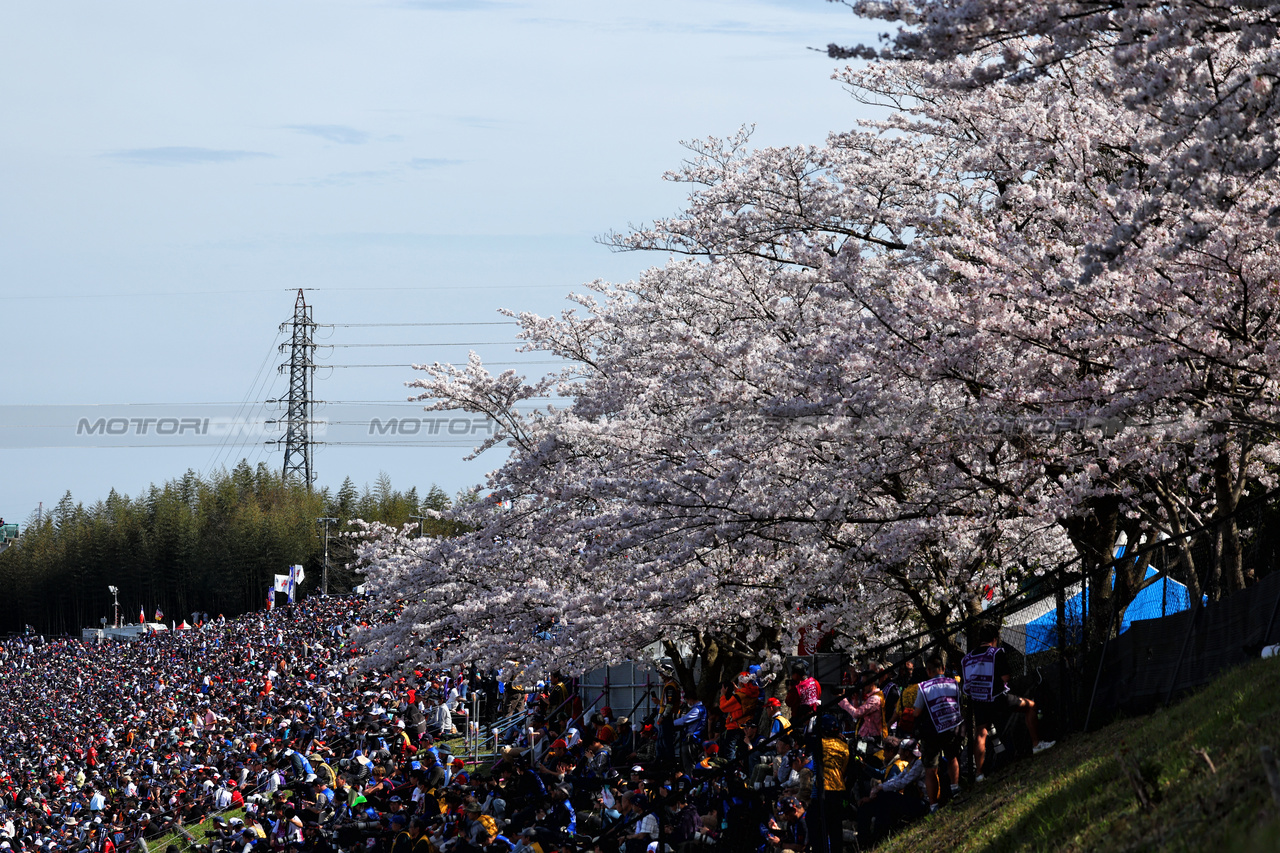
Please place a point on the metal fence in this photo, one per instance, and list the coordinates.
(1161, 619)
(626, 688)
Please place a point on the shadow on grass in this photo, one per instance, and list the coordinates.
(1049, 821)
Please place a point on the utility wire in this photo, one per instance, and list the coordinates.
(404, 325)
(250, 394)
(434, 344)
(426, 288)
(486, 364)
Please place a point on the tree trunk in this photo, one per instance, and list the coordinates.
(1094, 533)
(1230, 557)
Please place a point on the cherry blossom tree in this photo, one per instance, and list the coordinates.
(877, 377)
(1203, 70)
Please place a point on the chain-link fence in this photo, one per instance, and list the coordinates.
(1160, 619)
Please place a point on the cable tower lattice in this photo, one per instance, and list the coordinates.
(302, 371)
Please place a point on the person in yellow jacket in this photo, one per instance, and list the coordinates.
(827, 832)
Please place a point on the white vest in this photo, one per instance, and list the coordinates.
(942, 699)
(979, 668)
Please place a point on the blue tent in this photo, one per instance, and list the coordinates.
(1161, 598)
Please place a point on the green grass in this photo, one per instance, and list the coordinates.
(1077, 796)
(200, 831)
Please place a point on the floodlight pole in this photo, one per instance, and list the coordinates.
(324, 582)
(115, 595)
(421, 519)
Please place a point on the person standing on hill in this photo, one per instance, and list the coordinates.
(804, 695)
(832, 755)
(668, 710)
(870, 711)
(938, 717)
(986, 682)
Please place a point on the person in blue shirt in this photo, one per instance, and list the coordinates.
(693, 721)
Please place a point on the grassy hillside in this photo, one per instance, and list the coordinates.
(1078, 796)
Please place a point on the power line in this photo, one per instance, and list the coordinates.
(404, 325)
(252, 392)
(131, 294)
(487, 363)
(466, 444)
(429, 287)
(436, 344)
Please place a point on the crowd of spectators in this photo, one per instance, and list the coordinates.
(262, 733)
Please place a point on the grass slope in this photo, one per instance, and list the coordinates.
(1078, 796)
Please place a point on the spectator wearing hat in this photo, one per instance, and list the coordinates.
(562, 816)
(790, 773)
(691, 725)
(710, 756)
(793, 834)
(896, 800)
(458, 775)
(596, 760)
(624, 743)
(406, 837)
(418, 832)
(777, 724)
(636, 782)
(643, 820)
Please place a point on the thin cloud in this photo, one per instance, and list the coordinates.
(338, 133)
(432, 162)
(453, 5)
(179, 155)
(349, 179)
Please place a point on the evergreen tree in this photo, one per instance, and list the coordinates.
(191, 544)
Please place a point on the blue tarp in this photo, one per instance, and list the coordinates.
(1161, 598)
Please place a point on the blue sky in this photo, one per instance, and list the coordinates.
(173, 172)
